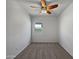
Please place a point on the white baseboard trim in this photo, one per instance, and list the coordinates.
(13, 56)
(66, 49)
(10, 57)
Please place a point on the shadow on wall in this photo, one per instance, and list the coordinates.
(18, 29)
(66, 29)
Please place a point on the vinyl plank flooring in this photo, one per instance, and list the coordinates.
(44, 51)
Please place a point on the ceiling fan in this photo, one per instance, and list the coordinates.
(45, 8)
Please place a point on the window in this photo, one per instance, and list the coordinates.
(38, 27)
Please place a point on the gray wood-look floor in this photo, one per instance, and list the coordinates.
(44, 51)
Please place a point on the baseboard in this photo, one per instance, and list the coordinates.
(10, 57)
(44, 42)
(22, 49)
(13, 56)
(66, 50)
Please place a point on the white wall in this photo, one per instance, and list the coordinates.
(18, 29)
(50, 29)
(66, 29)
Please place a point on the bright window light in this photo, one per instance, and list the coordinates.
(38, 27)
(43, 11)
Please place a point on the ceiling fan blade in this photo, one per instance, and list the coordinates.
(43, 3)
(51, 6)
(48, 12)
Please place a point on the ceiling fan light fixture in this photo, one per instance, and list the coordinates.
(44, 11)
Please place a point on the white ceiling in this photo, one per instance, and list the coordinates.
(62, 5)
